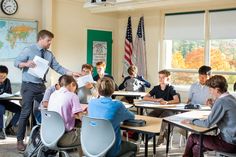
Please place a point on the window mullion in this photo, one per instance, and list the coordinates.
(207, 41)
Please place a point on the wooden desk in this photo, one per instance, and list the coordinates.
(129, 93)
(140, 104)
(176, 120)
(153, 126)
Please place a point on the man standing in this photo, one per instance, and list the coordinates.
(33, 87)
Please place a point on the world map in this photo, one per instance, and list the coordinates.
(15, 35)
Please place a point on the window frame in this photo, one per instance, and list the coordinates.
(207, 41)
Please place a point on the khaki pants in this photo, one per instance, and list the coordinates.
(71, 138)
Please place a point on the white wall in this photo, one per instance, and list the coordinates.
(70, 24)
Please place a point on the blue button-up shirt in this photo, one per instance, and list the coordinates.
(199, 94)
(28, 54)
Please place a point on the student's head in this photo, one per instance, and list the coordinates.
(44, 38)
(69, 82)
(86, 69)
(217, 84)
(101, 66)
(132, 71)
(204, 74)
(60, 82)
(164, 77)
(3, 73)
(106, 87)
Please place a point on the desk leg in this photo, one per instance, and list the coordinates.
(154, 145)
(201, 142)
(146, 145)
(141, 111)
(168, 139)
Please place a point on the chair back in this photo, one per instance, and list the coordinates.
(52, 128)
(97, 136)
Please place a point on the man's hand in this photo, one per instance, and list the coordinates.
(30, 64)
(76, 74)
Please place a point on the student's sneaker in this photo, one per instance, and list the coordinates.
(2, 135)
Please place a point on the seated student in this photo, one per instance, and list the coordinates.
(46, 96)
(89, 90)
(101, 67)
(5, 87)
(164, 93)
(223, 115)
(133, 82)
(199, 92)
(115, 111)
(66, 103)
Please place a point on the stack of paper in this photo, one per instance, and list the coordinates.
(41, 67)
(83, 80)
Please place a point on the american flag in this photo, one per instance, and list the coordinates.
(139, 52)
(128, 48)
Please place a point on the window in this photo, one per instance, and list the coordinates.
(187, 48)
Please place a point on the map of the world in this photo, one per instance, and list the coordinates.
(15, 35)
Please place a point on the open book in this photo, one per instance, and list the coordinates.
(41, 67)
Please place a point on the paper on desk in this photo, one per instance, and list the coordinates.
(83, 80)
(41, 67)
(5, 95)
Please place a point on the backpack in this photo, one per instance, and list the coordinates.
(34, 143)
(35, 146)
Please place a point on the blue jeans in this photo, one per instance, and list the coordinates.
(12, 107)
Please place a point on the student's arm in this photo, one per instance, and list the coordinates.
(188, 101)
(144, 82)
(215, 116)
(124, 113)
(122, 85)
(77, 110)
(47, 95)
(148, 97)
(7, 88)
(79, 115)
(190, 94)
(174, 101)
(94, 91)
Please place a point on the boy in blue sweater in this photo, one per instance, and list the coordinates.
(104, 107)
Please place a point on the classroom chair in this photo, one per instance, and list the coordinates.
(97, 136)
(52, 129)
